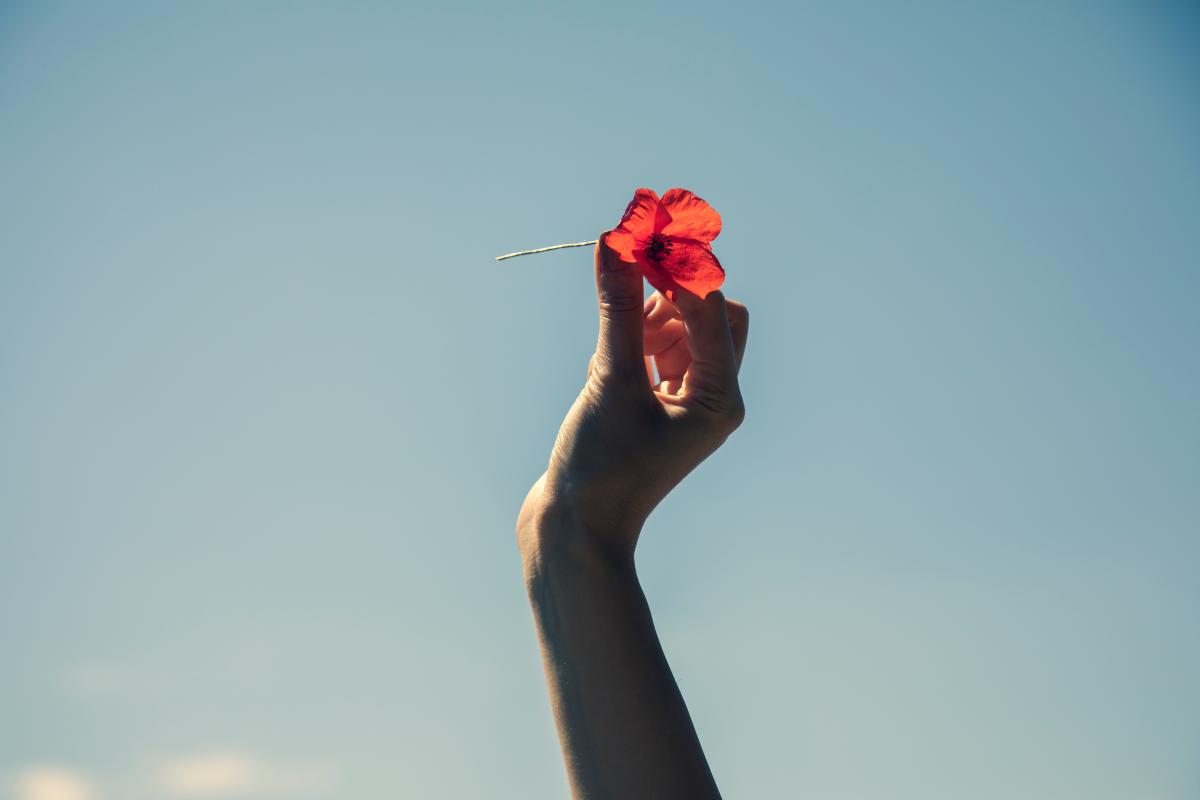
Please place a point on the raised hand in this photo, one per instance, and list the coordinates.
(625, 443)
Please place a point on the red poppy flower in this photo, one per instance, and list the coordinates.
(669, 240)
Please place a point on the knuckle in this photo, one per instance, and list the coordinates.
(617, 303)
(735, 415)
(739, 315)
(723, 413)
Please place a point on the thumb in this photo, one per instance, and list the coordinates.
(620, 294)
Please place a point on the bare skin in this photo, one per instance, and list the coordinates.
(624, 728)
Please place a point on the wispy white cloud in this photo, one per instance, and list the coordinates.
(48, 782)
(232, 773)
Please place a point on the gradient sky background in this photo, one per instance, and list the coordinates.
(268, 407)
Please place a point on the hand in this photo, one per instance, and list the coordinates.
(624, 727)
(625, 443)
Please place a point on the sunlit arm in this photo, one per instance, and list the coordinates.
(624, 728)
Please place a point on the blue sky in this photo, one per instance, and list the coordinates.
(269, 407)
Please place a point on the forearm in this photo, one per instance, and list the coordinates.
(624, 728)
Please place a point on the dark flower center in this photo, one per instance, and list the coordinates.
(659, 247)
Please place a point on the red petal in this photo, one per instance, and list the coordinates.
(623, 244)
(692, 265)
(689, 216)
(636, 225)
(656, 277)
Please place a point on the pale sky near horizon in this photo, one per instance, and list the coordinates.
(268, 407)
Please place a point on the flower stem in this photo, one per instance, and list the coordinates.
(545, 249)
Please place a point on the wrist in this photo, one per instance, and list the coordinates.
(555, 534)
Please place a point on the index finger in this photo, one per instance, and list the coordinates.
(709, 339)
